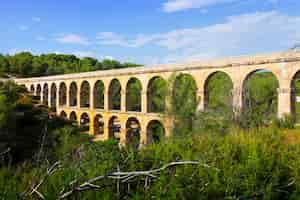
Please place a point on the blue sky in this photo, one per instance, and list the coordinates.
(149, 31)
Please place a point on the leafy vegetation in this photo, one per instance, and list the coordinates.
(250, 156)
(25, 64)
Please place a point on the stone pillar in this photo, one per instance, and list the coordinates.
(42, 93)
(49, 96)
(200, 97)
(284, 101)
(144, 140)
(92, 128)
(78, 95)
(123, 133)
(57, 98)
(168, 125)
(144, 102)
(105, 132)
(123, 101)
(68, 95)
(237, 100)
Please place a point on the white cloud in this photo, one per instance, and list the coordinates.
(73, 39)
(36, 19)
(23, 28)
(242, 34)
(82, 54)
(179, 5)
(40, 38)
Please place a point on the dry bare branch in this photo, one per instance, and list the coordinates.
(126, 176)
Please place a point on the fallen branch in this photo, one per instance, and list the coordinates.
(126, 176)
(48, 173)
(5, 152)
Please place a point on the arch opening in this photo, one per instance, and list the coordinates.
(85, 95)
(85, 122)
(38, 91)
(133, 129)
(114, 127)
(157, 91)
(133, 95)
(73, 117)
(99, 95)
(218, 93)
(260, 96)
(98, 125)
(32, 88)
(62, 94)
(45, 94)
(114, 94)
(63, 115)
(53, 95)
(155, 131)
(184, 101)
(73, 94)
(295, 97)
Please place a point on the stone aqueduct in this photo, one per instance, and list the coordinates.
(284, 66)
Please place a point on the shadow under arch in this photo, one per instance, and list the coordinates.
(114, 95)
(53, 95)
(62, 94)
(260, 94)
(38, 91)
(157, 91)
(133, 132)
(98, 94)
(85, 94)
(295, 96)
(114, 128)
(98, 125)
(45, 93)
(134, 95)
(218, 88)
(73, 90)
(155, 131)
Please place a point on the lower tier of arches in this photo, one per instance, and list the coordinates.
(129, 128)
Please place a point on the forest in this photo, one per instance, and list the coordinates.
(213, 154)
(24, 64)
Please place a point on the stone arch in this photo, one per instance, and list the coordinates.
(98, 125)
(32, 88)
(114, 95)
(114, 128)
(253, 103)
(85, 122)
(157, 90)
(45, 93)
(134, 95)
(73, 90)
(98, 94)
(218, 87)
(155, 131)
(85, 94)
(295, 96)
(133, 132)
(73, 116)
(53, 95)
(184, 100)
(63, 115)
(62, 94)
(38, 91)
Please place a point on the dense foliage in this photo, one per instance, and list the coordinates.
(249, 156)
(25, 64)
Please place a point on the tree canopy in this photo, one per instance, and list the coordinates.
(25, 64)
